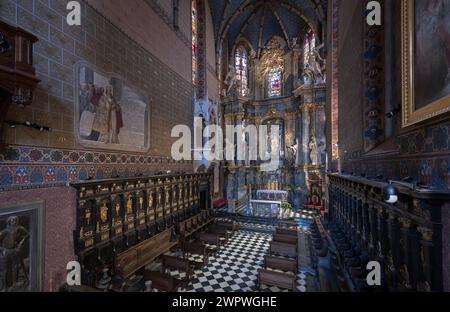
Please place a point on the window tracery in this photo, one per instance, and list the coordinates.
(242, 70)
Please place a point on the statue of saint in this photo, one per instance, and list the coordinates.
(314, 153)
(292, 153)
(230, 79)
(315, 69)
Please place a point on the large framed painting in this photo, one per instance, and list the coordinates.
(110, 114)
(425, 59)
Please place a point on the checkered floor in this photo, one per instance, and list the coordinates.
(234, 268)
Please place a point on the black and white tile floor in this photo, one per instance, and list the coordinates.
(235, 267)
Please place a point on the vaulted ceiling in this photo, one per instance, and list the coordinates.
(259, 20)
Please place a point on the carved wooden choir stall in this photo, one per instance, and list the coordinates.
(125, 224)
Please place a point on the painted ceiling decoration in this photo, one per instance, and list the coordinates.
(258, 21)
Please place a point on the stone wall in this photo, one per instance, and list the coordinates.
(110, 45)
(350, 64)
(132, 39)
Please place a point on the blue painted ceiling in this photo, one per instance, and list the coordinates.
(283, 18)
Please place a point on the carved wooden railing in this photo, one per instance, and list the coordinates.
(405, 238)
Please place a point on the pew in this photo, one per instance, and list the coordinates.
(283, 249)
(175, 263)
(288, 239)
(191, 225)
(286, 231)
(211, 239)
(138, 256)
(231, 226)
(197, 249)
(278, 279)
(219, 230)
(162, 281)
(276, 263)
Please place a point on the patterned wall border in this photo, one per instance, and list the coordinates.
(27, 176)
(43, 155)
(25, 167)
(434, 172)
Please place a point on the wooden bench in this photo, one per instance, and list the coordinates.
(288, 239)
(231, 226)
(190, 226)
(137, 257)
(211, 239)
(219, 230)
(286, 231)
(175, 263)
(278, 279)
(197, 249)
(283, 249)
(162, 281)
(276, 263)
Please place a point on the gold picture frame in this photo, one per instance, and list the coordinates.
(411, 114)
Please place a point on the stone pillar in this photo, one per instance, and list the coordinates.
(300, 148)
(231, 196)
(239, 140)
(229, 121)
(305, 134)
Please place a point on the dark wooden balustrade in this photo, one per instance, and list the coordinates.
(405, 238)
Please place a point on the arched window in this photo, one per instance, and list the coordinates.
(241, 63)
(194, 42)
(274, 82)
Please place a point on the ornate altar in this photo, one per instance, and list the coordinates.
(17, 74)
(115, 215)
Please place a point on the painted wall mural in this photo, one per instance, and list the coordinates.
(110, 114)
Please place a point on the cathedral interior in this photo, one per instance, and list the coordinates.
(272, 146)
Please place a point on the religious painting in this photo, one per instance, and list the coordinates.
(425, 59)
(110, 114)
(20, 251)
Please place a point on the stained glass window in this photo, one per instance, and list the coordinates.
(194, 42)
(274, 82)
(241, 64)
